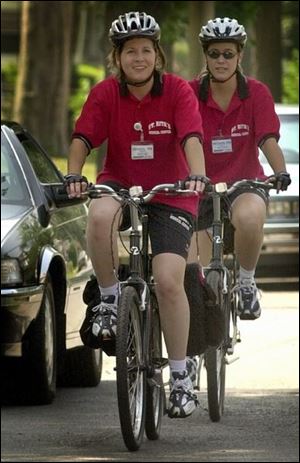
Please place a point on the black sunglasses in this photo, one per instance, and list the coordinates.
(215, 54)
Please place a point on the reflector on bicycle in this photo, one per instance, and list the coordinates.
(221, 187)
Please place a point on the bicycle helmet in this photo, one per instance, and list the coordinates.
(223, 29)
(133, 24)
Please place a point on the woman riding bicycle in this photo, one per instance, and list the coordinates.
(238, 117)
(154, 132)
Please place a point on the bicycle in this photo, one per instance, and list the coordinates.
(222, 275)
(138, 344)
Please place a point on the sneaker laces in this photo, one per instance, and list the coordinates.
(247, 286)
(101, 312)
(103, 309)
(182, 383)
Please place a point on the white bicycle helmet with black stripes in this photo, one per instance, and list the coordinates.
(223, 29)
(133, 24)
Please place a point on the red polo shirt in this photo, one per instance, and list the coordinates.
(247, 123)
(167, 121)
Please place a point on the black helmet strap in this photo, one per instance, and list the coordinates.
(242, 86)
(139, 84)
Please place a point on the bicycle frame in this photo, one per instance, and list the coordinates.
(217, 260)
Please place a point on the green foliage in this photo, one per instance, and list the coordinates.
(291, 79)
(244, 12)
(89, 169)
(9, 72)
(290, 27)
(180, 63)
(85, 76)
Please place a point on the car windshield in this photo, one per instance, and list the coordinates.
(289, 137)
(13, 186)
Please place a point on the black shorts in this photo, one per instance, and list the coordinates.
(205, 212)
(170, 229)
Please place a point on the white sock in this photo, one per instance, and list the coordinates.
(177, 365)
(246, 274)
(110, 291)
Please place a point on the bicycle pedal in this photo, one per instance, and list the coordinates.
(228, 362)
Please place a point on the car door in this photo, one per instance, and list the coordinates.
(69, 225)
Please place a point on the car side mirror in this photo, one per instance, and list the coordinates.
(43, 215)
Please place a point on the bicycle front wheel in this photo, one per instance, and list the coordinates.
(155, 388)
(215, 357)
(131, 375)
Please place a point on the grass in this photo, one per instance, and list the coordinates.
(89, 168)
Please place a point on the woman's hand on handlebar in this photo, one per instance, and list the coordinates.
(281, 181)
(197, 182)
(75, 185)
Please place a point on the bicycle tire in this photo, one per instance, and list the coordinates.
(130, 371)
(215, 357)
(155, 403)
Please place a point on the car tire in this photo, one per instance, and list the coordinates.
(82, 367)
(40, 362)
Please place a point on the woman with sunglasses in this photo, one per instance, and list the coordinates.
(238, 117)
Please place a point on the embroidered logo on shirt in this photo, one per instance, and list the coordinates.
(159, 127)
(240, 130)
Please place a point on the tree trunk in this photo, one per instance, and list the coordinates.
(268, 46)
(43, 85)
(199, 14)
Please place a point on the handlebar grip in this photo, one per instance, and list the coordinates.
(62, 191)
(208, 188)
(180, 185)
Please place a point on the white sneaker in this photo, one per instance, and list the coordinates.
(248, 306)
(191, 366)
(104, 322)
(182, 400)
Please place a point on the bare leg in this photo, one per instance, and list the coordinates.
(248, 217)
(168, 272)
(99, 232)
(204, 247)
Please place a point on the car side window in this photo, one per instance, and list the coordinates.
(13, 188)
(42, 166)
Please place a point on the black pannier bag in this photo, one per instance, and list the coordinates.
(207, 322)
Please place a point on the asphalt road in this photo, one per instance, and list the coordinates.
(260, 421)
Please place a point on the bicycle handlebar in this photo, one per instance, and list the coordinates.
(223, 188)
(136, 192)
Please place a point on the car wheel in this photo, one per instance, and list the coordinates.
(40, 353)
(82, 367)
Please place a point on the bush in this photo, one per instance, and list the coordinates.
(9, 72)
(291, 79)
(84, 78)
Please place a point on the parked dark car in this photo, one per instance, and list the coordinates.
(44, 270)
(279, 260)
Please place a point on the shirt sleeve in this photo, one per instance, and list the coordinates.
(92, 124)
(266, 121)
(188, 120)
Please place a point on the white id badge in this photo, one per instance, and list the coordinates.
(142, 150)
(221, 145)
